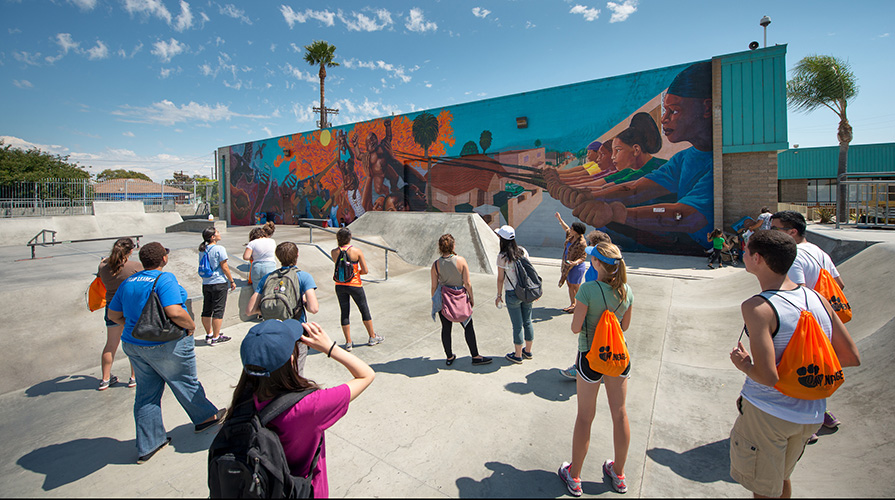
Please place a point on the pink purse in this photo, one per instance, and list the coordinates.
(455, 304)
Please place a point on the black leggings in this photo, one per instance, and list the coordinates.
(446, 327)
(360, 298)
(716, 255)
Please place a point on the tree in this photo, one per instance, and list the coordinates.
(425, 131)
(826, 81)
(323, 54)
(485, 140)
(469, 149)
(537, 143)
(34, 165)
(109, 174)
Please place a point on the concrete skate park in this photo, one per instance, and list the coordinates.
(424, 429)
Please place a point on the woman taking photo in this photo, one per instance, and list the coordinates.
(269, 353)
(452, 271)
(353, 289)
(261, 251)
(520, 312)
(214, 287)
(573, 259)
(610, 292)
(113, 270)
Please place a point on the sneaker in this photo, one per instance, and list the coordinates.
(208, 339)
(526, 354)
(220, 340)
(570, 372)
(104, 384)
(812, 439)
(573, 484)
(618, 482)
(375, 339)
(348, 346)
(484, 360)
(145, 458)
(132, 382)
(515, 359)
(830, 420)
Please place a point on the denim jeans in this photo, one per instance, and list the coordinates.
(520, 316)
(260, 270)
(173, 363)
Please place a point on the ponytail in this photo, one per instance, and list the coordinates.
(616, 274)
(118, 257)
(207, 236)
(268, 229)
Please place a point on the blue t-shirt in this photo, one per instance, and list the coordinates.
(689, 173)
(216, 255)
(132, 295)
(591, 274)
(305, 283)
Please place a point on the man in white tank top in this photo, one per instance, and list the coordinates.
(772, 429)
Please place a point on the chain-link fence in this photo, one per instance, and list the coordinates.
(52, 197)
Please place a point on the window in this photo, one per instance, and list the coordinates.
(821, 191)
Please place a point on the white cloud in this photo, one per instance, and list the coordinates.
(137, 48)
(351, 112)
(362, 22)
(28, 58)
(480, 12)
(273, 47)
(589, 14)
(185, 20)
(23, 84)
(394, 71)
(84, 4)
(231, 10)
(417, 22)
(166, 72)
(99, 51)
(621, 11)
(22, 144)
(14, 31)
(884, 35)
(267, 131)
(529, 25)
(167, 50)
(166, 112)
(300, 75)
(128, 134)
(324, 16)
(148, 8)
(304, 114)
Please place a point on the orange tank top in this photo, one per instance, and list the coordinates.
(355, 280)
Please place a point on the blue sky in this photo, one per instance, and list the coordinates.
(157, 85)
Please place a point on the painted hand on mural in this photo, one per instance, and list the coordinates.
(599, 213)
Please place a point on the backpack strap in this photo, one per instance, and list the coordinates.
(607, 303)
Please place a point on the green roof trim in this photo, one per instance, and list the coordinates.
(822, 162)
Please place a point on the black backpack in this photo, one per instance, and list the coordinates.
(281, 297)
(528, 286)
(246, 458)
(344, 269)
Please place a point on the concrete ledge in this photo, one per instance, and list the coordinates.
(196, 226)
(838, 249)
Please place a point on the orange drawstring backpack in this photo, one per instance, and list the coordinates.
(830, 290)
(809, 368)
(608, 353)
(96, 295)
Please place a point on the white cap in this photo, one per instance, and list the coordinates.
(506, 232)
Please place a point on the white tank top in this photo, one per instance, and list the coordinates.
(788, 306)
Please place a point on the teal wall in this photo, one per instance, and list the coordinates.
(753, 102)
(822, 163)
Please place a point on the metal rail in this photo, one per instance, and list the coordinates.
(312, 227)
(44, 243)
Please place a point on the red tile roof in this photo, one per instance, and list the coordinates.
(461, 175)
(135, 186)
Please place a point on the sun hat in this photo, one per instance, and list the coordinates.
(268, 346)
(506, 232)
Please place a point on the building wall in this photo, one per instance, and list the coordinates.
(793, 190)
(750, 182)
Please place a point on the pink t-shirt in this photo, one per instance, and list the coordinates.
(301, 428)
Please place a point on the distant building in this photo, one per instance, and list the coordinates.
(139, 190)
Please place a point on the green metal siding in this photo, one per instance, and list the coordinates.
(753, 100)
(822, 163)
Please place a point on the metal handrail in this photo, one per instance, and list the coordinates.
(312, 227)
(44, 243)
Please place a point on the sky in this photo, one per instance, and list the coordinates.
(156, 86)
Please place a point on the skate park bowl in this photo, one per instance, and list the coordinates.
(423, 428)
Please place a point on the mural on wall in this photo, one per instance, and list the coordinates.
(631, 155)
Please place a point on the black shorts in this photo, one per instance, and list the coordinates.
(214, 299)
(589, 375)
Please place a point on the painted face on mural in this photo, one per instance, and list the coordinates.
(687, 119)
(592, 155)
(624, 156)
(604, 159)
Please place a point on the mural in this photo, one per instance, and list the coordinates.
(631, 155)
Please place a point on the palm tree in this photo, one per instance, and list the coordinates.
(323, 54)
(425, 131)
(826, 81)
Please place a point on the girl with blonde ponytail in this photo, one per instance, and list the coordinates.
(610, 292)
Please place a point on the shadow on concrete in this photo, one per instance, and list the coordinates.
(66, 383)
(507, 481)
(539, 314)
(708, 463)
(68, 462)
(546, 383)
(421, 367)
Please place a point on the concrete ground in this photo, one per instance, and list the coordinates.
(427, 430)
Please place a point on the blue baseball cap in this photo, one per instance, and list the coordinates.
(269, 345)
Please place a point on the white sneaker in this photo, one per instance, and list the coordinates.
(618, 482)
(375, 339)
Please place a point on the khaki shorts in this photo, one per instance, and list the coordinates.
(764, 449)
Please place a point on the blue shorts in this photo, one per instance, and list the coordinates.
(576, 274)
(108, 321)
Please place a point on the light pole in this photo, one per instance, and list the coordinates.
(765, 21)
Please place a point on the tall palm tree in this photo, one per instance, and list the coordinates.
(323, 54)
(826, 81)
(425, 131)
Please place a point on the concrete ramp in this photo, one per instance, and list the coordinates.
(415, 236)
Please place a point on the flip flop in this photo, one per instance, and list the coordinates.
(569, 309)
(449, 361)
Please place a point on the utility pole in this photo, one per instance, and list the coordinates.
(326, 111)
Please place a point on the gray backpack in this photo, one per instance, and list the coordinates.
(281, 297)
